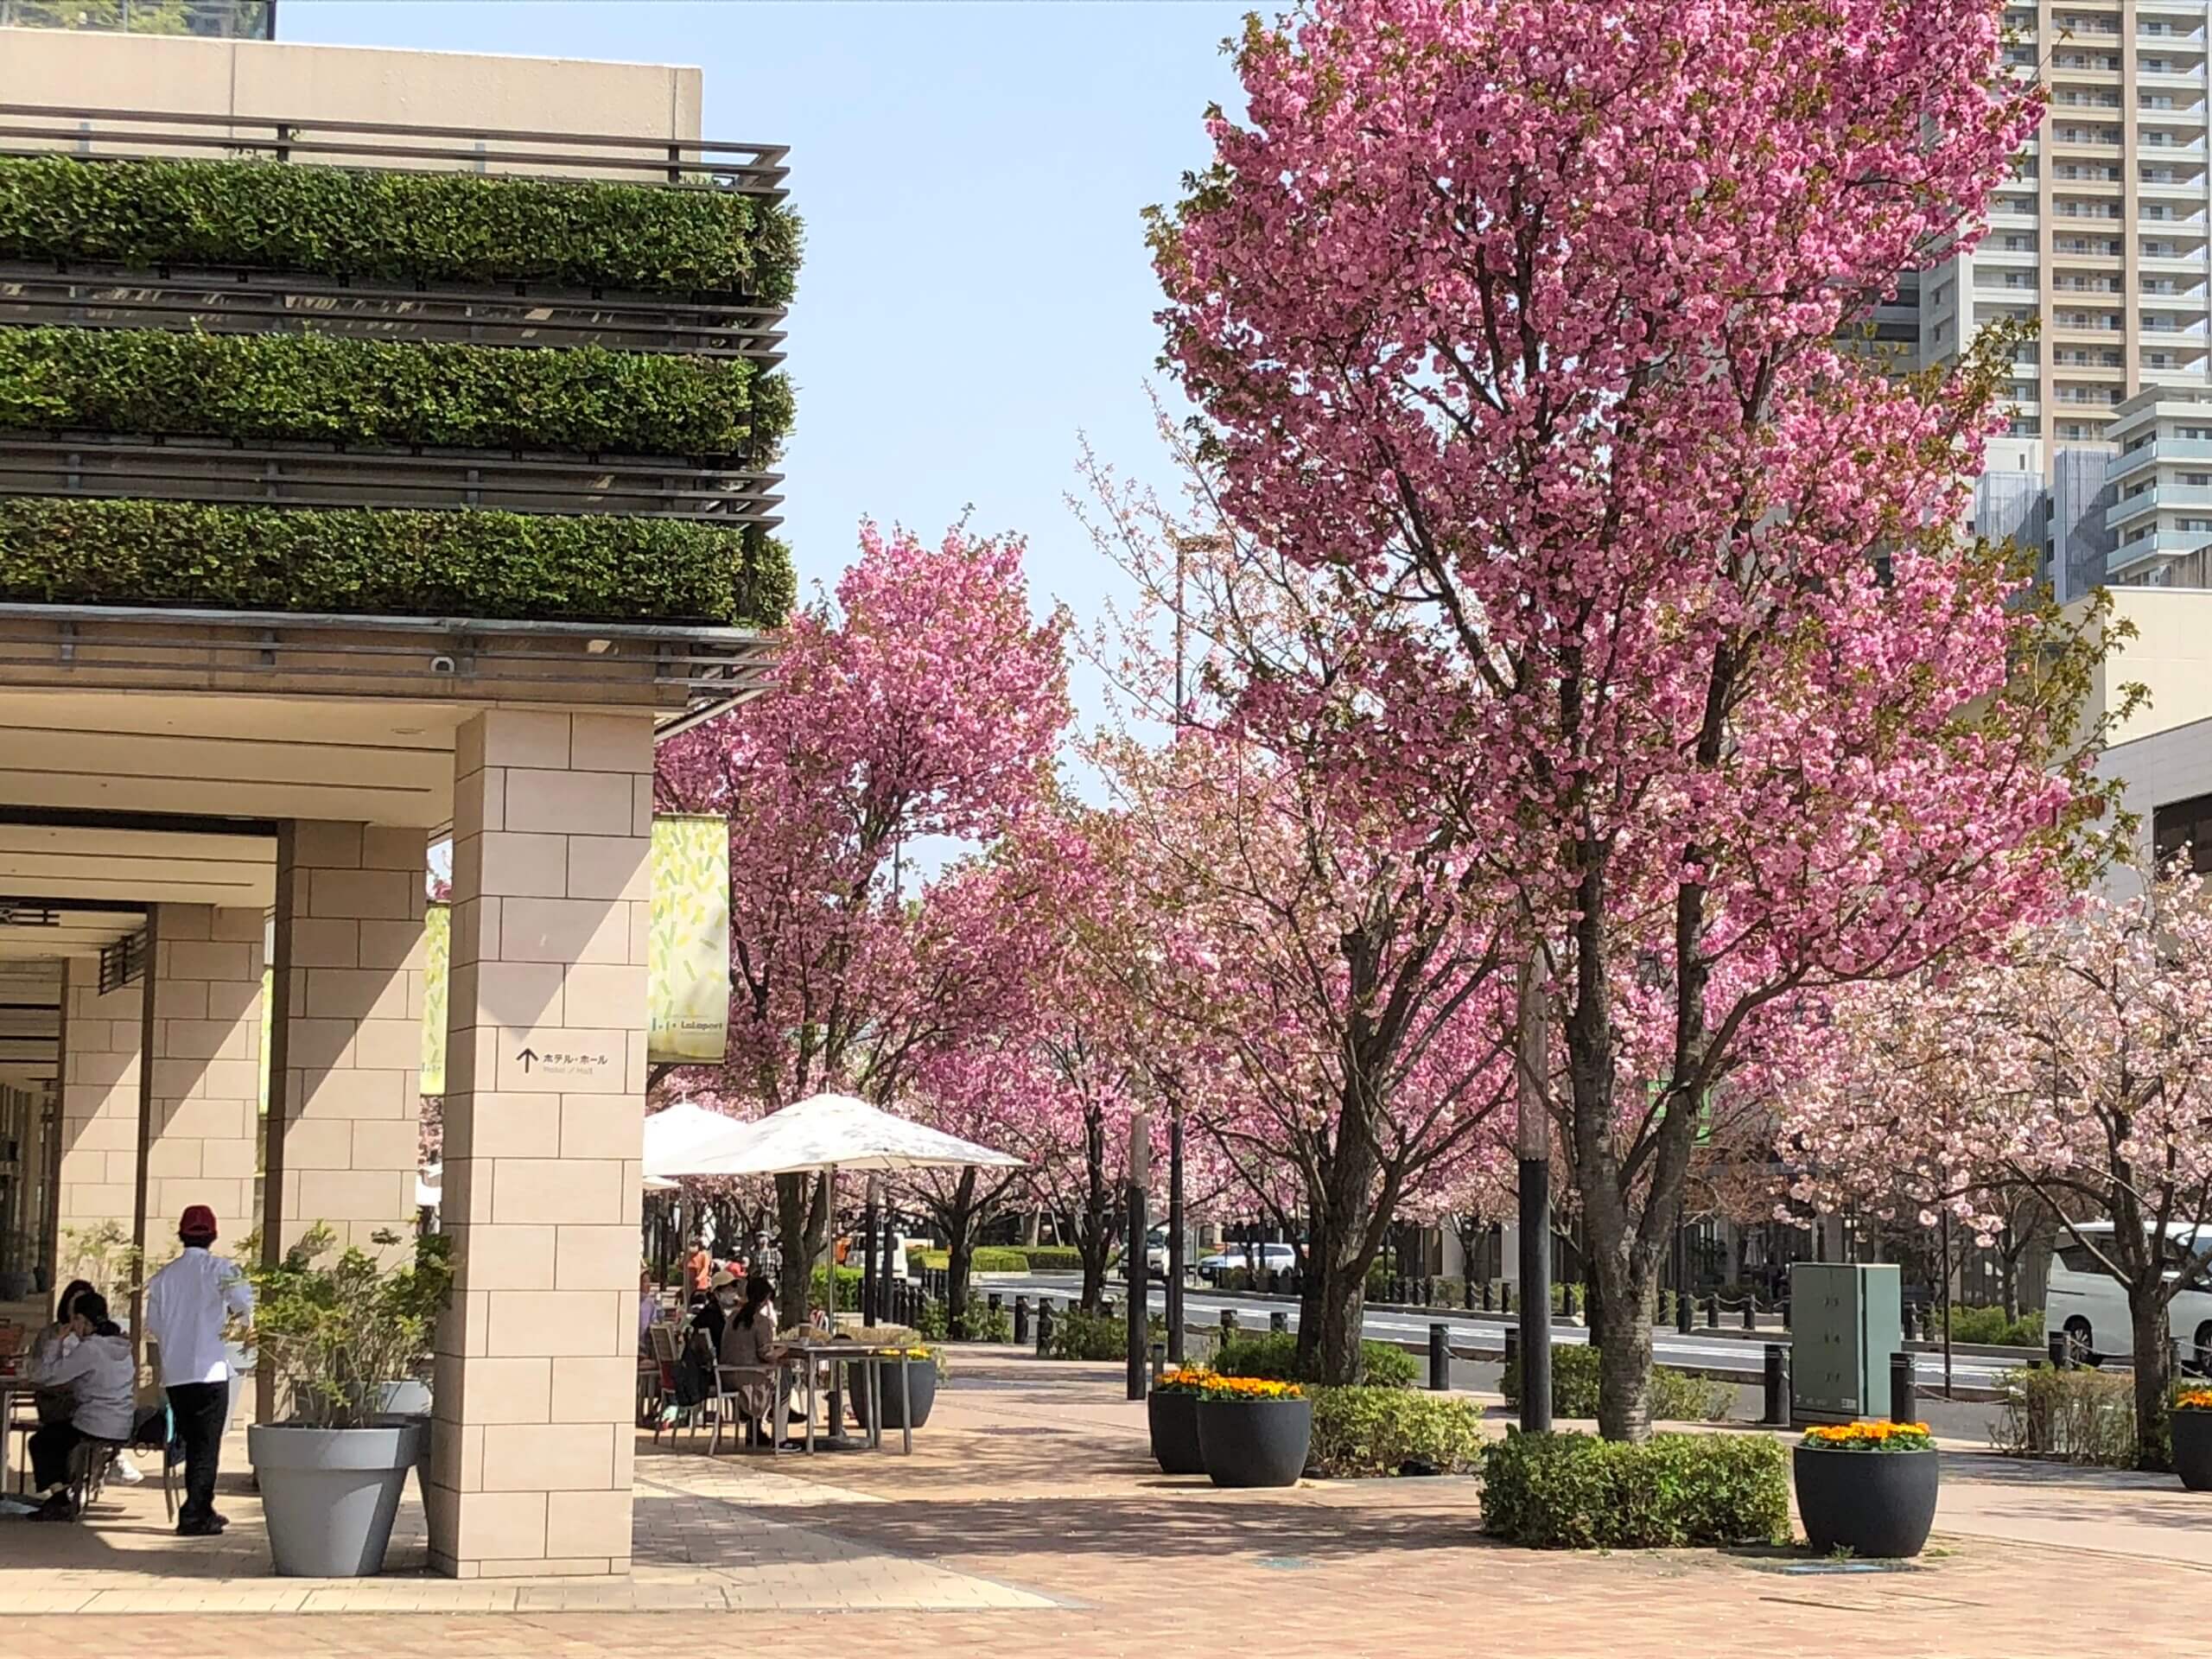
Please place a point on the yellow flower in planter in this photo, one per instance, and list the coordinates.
(2194, 1400)
(1880, 1436)
(1249, 1388)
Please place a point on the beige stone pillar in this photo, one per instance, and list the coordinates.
(545, 1074)
(99, 1169)
(204, 1127)
(348, 941)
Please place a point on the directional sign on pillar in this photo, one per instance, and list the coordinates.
(558, 1062)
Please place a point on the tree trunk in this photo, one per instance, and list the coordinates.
(1337, 1359)
(1620, 1323)
(1097, 1226)
(959, 1219)
(2153, 1357)
(801, 1223)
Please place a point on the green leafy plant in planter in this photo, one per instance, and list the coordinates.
(341, 1335)
(1869, 1488)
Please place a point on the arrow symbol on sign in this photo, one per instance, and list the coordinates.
(526, 1057)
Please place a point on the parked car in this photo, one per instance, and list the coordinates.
(2090, 1307)
(1276, 1258)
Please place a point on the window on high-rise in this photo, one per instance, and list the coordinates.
(2183, 827)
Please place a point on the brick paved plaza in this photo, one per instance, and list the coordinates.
(1030, 1521)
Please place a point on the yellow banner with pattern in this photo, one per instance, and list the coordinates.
(687, 948)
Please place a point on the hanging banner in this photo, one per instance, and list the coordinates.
(687, 948)
(437, 960)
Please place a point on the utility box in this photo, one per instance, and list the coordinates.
(1844, 1326)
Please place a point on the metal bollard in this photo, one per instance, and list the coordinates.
(1278, 1321)
(996, 1303)
(1685, 1307)
(1439, 1357)
(1712, 1311)
(1228, 1323)
(1467, 1294)
(1750, 1313)
(1778, 1388)
(1505, 1298)
(1904, 1403)
(1785, 1312)
(1428, 1293)
(1044, 1327)
(2061, 1352)
(1021, 1319)
(1158, 1360)
(1567, 1299)
(1486, 1296)
(1512, 1348)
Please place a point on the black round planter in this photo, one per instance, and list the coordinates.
(1879, 1505)
(1254, 1442)
(921, 1384)
(1174, 1419)
(2192, 1432)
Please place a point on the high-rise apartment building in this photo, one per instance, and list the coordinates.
(2100, 237)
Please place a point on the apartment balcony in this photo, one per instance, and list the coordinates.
(269, 331)
(2171, 497)
(2137, 557)
(2159, 451)
(2173, 150)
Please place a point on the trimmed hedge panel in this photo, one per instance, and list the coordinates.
(323, 388)
(396, 227)
(1569, 1491)
(385, 562)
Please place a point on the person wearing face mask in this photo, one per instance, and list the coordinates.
(100, 1374)
(712, 1316)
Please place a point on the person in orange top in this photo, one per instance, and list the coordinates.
(700, 1266)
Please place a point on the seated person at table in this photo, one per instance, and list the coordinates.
(750, 1345)
(713, 1315)
(101, 1375)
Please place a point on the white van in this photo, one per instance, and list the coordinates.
(2090, 1305)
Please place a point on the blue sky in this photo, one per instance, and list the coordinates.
(977, 291)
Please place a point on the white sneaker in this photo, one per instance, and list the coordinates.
(125, 1470)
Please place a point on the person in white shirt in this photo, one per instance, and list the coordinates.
(101, 1375)
(187, 1304)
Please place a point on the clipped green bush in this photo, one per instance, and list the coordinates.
(2075, 1416)
(1382, 1431)
(326, 389)
(1677, 1396)
(384, 561)
(849, 1289)
(1079, 1335)
(1274, 1354)
(398, 227)
(985, 1258)
(1572, 1491)
(1054, 1258)
(1989, 1324)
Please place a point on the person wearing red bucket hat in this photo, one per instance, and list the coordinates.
(187, 1304)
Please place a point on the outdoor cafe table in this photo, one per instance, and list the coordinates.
(811, 1355)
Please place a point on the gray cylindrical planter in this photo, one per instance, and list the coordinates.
(1173, 1415)
(2192, 1435)
(330, 1495)
(921, 1385)
(1879, 1505)
(1254, 1442)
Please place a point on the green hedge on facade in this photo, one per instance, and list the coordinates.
(321, 388)
(396, 227)
(382, 560)
(1570, 1491)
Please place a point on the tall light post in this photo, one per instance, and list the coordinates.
(1133, 1256)
(1175, 1224)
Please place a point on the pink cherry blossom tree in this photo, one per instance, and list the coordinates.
(2075, 1064)
(925, 701)
(1524, 317)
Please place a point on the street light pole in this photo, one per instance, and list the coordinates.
(1533, 1143)
(1132, 1253)
(1175, 1221)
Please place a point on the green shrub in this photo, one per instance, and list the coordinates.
(1571, 1492)
(1677, 1396)
(354, 561)
(399, 227)
(1378, 1431)
(985, 1258)
(1275, 1354)
(1078, 1335)
(1054, 1258)
(2077, 1416)
(985, 1325)
(323, 388)
(849, 1289)
(1989, 1324)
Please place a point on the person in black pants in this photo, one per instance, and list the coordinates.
(187, 1305)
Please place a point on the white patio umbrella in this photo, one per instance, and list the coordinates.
(673, 1133)
(833, 1132)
